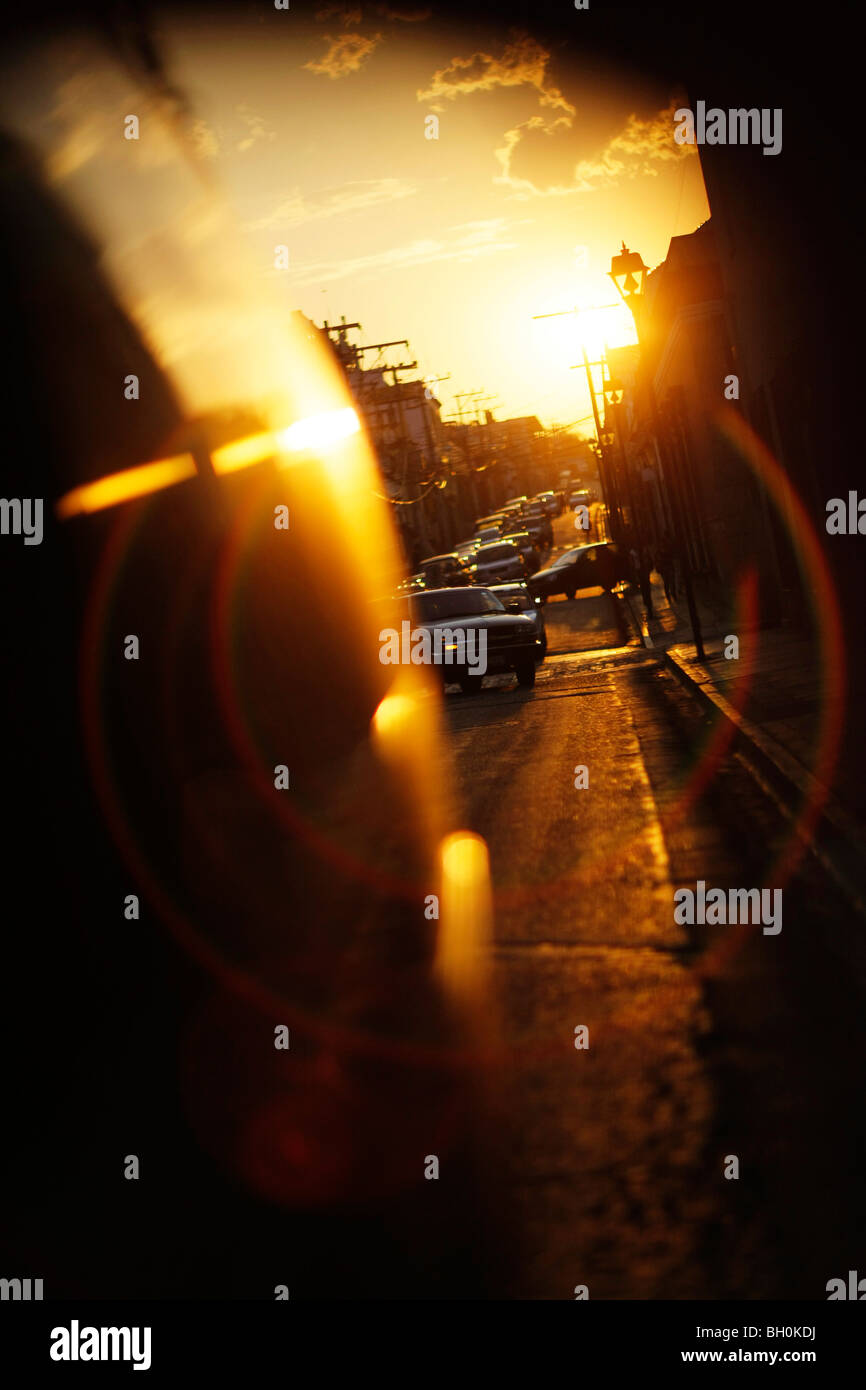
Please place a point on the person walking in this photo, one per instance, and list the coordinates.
(645, 565)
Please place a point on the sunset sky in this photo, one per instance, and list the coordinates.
(307, 128)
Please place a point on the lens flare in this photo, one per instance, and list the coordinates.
(829, 636)
(466, 916)
(319, 432)
(242, 453)
(125, 486)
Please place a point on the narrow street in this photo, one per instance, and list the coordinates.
(619, 1148)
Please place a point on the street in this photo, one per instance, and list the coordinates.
(618, 1151)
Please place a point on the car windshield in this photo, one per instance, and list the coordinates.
(454, 603)
(495, 552)
(565, 559)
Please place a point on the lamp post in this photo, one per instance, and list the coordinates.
(629, 275)
(607, 475)
(613, 396)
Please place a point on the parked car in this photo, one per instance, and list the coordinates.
(510, 638)
(539, 531)
(484, 522)
(445, 571)
(527, 547)
(411, 584)
(497, 563)
(467, 548)
(550, 502)
(487, 535)
(602, 564)
(518, 599)
(580, 498)
(537, 523)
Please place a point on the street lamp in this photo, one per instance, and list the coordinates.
(629, 274)
(614, 392)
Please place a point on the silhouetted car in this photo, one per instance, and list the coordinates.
(581, 498)
(411, 584)
(483, 523)
(586, 567)
(551, 502)
(537, 523)
(527, 547)
(445, 571)
(498, 563)
(466, 548)
(510, 637)
(518, 599)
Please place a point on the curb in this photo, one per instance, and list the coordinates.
(837, 841)
(630, 620)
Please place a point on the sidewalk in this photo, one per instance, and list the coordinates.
(776, 696)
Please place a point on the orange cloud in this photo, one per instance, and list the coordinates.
(639, 148)
(523, 64)
(346, 54)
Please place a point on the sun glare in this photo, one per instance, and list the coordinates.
(318, 432)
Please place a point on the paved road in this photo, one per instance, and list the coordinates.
(613, 1156)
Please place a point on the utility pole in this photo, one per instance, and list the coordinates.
(467, 395)
(434, 381)
(608, 488)
(478, 404)
(471, 456)
(372, 404)
(346, 352)
(607, 476)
